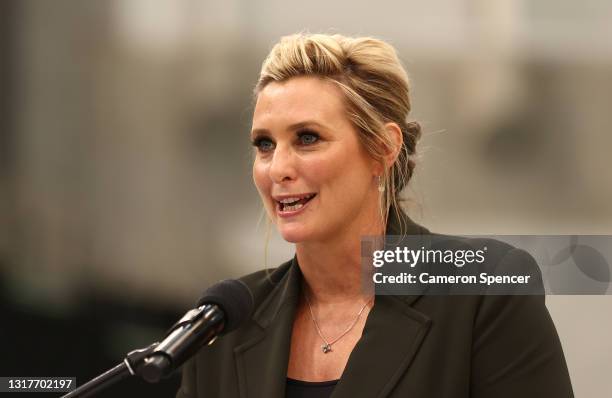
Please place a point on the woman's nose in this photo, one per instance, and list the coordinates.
(282, 167)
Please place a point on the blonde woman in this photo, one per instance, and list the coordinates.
(333, 150)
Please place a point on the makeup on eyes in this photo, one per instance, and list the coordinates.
(259, 140)
(308, 133)
(305, 136)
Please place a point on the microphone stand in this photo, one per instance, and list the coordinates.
(131, 366)
(155, 362)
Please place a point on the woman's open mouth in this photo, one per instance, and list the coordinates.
(292, 205)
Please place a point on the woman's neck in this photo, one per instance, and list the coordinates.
(332, 270)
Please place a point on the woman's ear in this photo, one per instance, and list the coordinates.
(396, 140)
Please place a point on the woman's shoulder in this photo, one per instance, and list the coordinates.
(261, 283)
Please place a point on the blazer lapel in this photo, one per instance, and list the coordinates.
(391, 338)
(262, 359)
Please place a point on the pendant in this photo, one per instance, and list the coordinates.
(326, 348)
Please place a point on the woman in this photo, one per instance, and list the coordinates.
(332, 153)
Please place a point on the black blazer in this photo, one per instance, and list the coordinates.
(411, 346)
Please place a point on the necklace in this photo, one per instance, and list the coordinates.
(327, 347)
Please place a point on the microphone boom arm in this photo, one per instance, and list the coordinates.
(205, 323)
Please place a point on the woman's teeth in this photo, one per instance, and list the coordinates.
(295, 203)
(292, 207)
(289, 200)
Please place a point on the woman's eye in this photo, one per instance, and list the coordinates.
(308, 138)
(263, 144)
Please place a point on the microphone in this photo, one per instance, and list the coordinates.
(222, 308)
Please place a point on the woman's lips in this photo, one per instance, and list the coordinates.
(291, 205)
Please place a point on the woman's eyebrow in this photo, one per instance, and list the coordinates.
(291, 127)
(306, 123)
(257, 132)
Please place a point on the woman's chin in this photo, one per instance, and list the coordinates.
(292, 238)
(294, 235)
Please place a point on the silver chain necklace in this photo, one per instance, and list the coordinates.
(327, 346)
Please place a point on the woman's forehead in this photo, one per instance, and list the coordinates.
(299, 99)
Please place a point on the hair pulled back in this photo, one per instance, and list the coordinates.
(376, 91)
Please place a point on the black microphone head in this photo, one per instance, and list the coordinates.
(235, 300)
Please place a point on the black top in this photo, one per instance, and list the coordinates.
(466, 346)
(309, 389)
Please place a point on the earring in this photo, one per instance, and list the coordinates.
(381, 184)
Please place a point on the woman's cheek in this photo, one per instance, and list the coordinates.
(316, 168)
(262, 182)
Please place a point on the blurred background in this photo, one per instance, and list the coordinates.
(125, 180)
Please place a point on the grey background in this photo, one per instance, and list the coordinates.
(125, 161)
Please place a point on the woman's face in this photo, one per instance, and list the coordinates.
(315, 179)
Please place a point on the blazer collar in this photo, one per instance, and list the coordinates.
(263, 356)
(391, 338)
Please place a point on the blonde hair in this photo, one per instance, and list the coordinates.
(376, 90)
